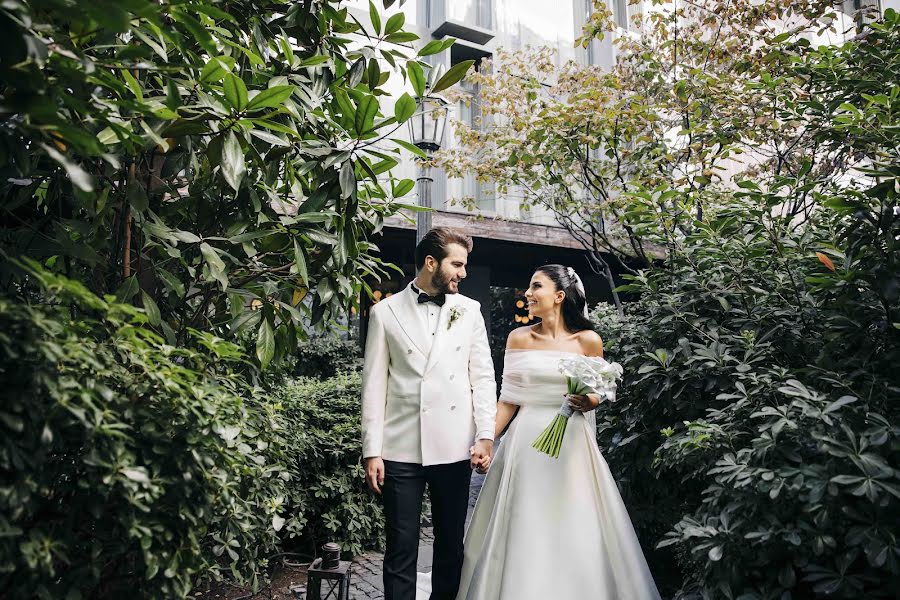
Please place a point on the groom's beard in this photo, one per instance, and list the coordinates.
(441, 282)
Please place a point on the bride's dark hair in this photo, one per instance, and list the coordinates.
(573, 307)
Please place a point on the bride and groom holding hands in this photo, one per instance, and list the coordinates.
(543, 527)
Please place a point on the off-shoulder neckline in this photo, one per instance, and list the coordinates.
(522, 350)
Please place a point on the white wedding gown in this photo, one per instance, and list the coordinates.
(547, 528)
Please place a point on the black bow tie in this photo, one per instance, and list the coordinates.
(438, 299)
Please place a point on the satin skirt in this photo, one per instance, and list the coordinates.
(546, 528)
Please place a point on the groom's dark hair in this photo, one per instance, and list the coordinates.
(435, 243)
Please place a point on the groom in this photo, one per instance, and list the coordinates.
(428, 409)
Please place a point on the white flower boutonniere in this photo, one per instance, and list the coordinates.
(455, 313)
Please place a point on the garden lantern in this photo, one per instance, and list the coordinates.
(426, 132)
(328, 576)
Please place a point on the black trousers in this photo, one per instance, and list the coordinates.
(403, 490)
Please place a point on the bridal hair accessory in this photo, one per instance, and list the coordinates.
(584, 375)
(578, 286)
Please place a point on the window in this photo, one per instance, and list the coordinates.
(620, 12)
(484, 13)
(861, 11)
(588, 11)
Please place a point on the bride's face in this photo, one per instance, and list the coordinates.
(542, 297)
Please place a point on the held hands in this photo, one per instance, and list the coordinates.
(481, 455)
(583, 403)
(374, 467)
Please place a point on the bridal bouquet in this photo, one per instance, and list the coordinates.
(584, 375)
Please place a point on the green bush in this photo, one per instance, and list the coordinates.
(129, 466)
(328, 498)
(324, 357)
(771, 472)
(756, 430)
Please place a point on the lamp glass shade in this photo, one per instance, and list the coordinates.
(426, 126)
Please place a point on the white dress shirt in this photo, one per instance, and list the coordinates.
(430, 314)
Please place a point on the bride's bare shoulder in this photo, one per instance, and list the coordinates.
(590, 342)
(520, 338)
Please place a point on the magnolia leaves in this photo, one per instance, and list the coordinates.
(214, 264)
(235, 92)
(265, 343)
(454, 74)
(404, 108)
(233, 165)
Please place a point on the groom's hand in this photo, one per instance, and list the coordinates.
(481, 455)
(374, 473)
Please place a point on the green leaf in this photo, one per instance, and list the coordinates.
(404, 108)
(356, 72)
(212, 11)
(375, 17)
(265, 344)
(128, 289)
(452, 76)
(235, 91)
(395, 23)
(347, 179)
(171, 282)
(251, 235)
(365, 114)
(401, 37)
(233, 166)
(133, 85)
(402, 187)
(270, 138)
(195, 29)
(842, 401)
(416, 77)
(151, 309)
(216, 69)
(215, 264)
(300, 263)
(312, 61)
(77, 175)
(274, 96)
(435, 46)
(373, 74)
(245, 320)
(185, 236)
(403, 143)
(273, 126)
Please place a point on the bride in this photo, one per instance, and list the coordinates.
(544, 527)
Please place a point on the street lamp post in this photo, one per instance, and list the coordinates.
(426, 132)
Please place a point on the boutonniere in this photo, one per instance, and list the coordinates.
(455, 313)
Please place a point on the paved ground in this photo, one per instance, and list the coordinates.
(366, 582)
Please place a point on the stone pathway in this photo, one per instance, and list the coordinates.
(366, 580)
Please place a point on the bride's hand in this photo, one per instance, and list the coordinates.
(583, 403)
(481, 464)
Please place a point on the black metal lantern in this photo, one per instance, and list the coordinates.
(426, 132)
(328, 576)
(426, 126)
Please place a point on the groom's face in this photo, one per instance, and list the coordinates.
(450, 271)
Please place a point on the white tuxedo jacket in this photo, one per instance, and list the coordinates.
(426, 408)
